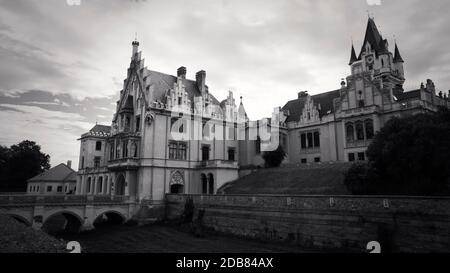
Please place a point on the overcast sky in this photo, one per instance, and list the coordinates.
(62, 66)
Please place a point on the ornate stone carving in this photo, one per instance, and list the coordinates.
(177, 178)
(149, 117)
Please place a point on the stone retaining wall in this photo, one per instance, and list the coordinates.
(341, 223)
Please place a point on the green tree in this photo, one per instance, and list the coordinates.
(274, 159)
(409, 156)
(19, 163)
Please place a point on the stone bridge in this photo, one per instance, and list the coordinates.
(80, 211)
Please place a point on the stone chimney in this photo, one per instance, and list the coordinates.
(181, 72)
(302, 94)
(69, 163)
(201, 81)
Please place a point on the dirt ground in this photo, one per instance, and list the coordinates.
(169, 239)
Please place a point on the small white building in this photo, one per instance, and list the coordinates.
(58, 180)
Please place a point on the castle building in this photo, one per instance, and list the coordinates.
(169, 134)
(339, 125)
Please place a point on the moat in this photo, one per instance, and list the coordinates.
(160, 238)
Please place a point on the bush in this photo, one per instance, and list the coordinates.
(274, 159)
(360, 179)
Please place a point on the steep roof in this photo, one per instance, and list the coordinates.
(397, 57)
(353, 57)
(374, 38)
(295, 107)
(60, 173)
(161, 83)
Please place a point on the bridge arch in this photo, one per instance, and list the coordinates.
(109, 217)
(63, 220)
(20, 219)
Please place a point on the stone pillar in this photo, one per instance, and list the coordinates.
(94, 186)
(38, 217)
(89, 218)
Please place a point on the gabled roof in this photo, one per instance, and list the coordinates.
(161, 83)
(60, 173)
(325, 100)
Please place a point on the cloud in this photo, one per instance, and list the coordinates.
(264, 50)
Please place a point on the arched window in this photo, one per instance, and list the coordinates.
(210, 183)
(135, 150)
(100, 185)
(88, 186)
(350, 132)
(125, 150)
(369, 128)
(359, 130)
(204, 184)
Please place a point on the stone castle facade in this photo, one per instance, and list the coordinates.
(171, 135)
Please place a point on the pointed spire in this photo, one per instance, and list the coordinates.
(353, 57)
(372, 36)
(397, 57)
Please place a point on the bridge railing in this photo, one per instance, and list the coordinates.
(61, 199)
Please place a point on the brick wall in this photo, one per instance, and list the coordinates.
(341, 223)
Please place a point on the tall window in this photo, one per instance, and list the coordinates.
(118, 151)
(205, 152)
(303, 141)
(125, 149)
(359, 130)
(231, 153)
(316, 139)
(111, 151)
(309, 136)
(82, 162)
(369, 128)
(98, 146)
(177, 150)
(97, 161)
(350, 132)
(138, 123)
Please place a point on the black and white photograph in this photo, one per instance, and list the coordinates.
(242, 129)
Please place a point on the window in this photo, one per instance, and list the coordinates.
(310, 140)
(258, 145)
(37, 189)
(179, 126)
(316, 139)
(59, 189)
(350, 132)
(111, 152)
(351, 157)
(177, 150)
(97, 161)
(231, 153)
(118, 151)
(88, 187)
(231, 133)
(138, 123)
(125, 149)
(361, 156)
(303, 141)
(369, 129)
(359, 130)
(206, 129)
(180, 100)
(304, 161)
(66, 188)
(82, 162)
(49, 188)
(98, 146)
(317, 159)
(205, 152)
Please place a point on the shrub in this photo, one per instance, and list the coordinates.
(274, 159)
